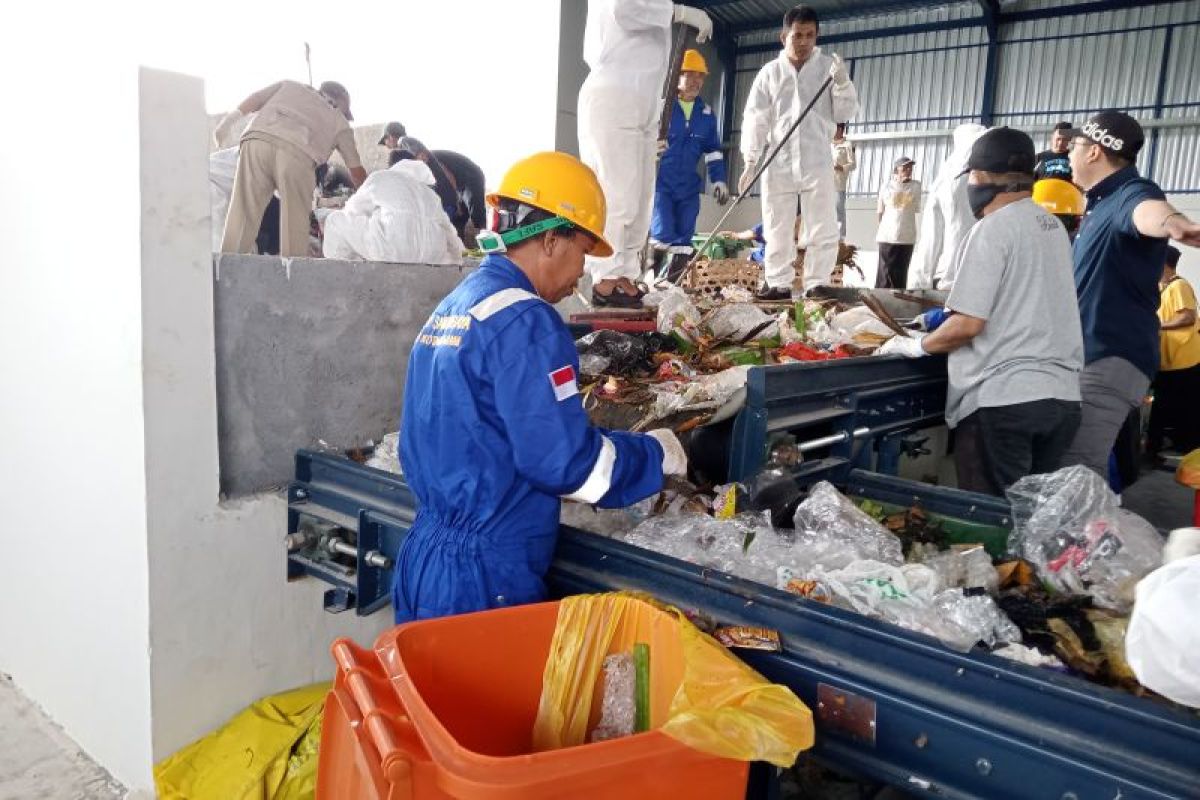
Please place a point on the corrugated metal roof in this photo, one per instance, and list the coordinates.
(1063, 67)
(743, 15)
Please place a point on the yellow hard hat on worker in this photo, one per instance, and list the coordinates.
(558, 184)
(694, 62)
(1059, 197)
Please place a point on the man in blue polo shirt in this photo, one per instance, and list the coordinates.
(1119, 253)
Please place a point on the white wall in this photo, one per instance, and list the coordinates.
(225, 627)
(73, 574)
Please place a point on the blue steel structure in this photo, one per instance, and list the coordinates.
(746, 33)
(889, 704)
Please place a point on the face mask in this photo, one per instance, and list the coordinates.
(980, 196)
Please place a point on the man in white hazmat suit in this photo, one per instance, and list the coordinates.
(395, 217)
(947, 217)
(804, 167)
(627, 46)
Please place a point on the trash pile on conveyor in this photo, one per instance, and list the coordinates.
(691, 369)
(1056, 594)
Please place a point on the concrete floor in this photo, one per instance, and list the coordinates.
(1164, 503)
(39, 762)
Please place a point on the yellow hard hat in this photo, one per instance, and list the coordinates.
(558, 184)
(1058, 196)
(694, 62)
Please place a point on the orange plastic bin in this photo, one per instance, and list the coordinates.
(445, 708)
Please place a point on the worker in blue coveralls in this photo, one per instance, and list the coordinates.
(677, 190)
(493, 435)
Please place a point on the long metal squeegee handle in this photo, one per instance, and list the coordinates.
(758, 174)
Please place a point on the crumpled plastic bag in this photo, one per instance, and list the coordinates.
(1162, 644)
(912, 596)
(593, 364)
(742, 322)
(705, 393)
(626, 352)
(745, 545)
(859, 319)
(1068, 525)
(386, 455)
(267, 750)
(969, 568)
(700, 694)
(833, 532)
(678, 314)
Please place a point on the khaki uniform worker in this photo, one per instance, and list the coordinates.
(295, 128)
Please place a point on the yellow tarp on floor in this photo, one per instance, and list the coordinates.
(267, 752)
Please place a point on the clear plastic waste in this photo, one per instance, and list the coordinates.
(736, 294)
(912, 596)
(974, 618)
(606, 521)
(387, 454)
(859, 319)
(1069, 526)
(1028, 655)
(618, 706)
(961, 568)
(742, 322)
(745, 545)
(833, 532)
(678, 314)
(593, 364)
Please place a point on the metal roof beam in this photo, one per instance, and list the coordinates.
(864, 10)
(991, 22)
(879, 33)
(1094, 7)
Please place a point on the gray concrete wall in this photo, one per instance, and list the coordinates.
(310, 351)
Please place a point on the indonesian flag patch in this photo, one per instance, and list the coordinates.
(562, 380)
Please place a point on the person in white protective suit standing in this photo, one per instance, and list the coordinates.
(804, 167)
(627, 47)
(947, 218)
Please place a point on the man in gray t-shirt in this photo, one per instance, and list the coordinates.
(1013, 334)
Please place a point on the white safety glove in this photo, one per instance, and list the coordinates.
(662, 147)
(747, 176)
(697, 19)
(224, 126)
(674, 457)
(909, 346)
(1182, 542)
(721, 193)
(837, 71)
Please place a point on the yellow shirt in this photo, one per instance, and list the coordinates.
(687, 106)
(1180, 347)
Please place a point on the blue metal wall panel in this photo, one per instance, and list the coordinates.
(1048, 69)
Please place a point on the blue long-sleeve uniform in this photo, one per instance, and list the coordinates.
(678, 187)
(493, 434)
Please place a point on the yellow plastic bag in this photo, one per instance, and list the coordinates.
(1188, 471)
(269, 750)
(700, 694)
